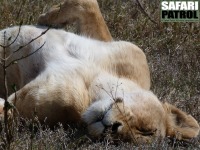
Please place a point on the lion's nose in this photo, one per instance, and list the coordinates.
(115, 126)
(112, 128)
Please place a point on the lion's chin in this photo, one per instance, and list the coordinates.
(96, 116)
(96, 129)
(107, 123)
(101, 118)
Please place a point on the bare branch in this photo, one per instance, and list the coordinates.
(3, 63)
(31, 40)
(145, 13)
(2, 46)
(2, 59)
(127, 123)
(5, 46)
(120, 111)
(23, 57)
(15, 37)
(6, 104)
(117, 88)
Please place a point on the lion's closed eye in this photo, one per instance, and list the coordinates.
(146, 132)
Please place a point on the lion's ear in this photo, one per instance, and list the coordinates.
(179, 124)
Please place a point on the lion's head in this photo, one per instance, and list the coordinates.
(139, 117)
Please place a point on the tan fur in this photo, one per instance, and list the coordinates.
(101, 93)
(1, 109)
(180, 124)
(141, 115)
(84, 12)
(121, 58)
(80, 80)
(146, 122)
(92, 24)
(132, 64)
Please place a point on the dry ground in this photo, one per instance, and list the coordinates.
(173, 52)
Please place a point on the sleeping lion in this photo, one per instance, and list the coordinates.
(73, 79)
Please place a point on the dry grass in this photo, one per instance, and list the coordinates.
(173, 52)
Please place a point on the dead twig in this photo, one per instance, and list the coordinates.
(32, 40)
(23, 57)
(5, 46)
(122, 113)
(8, 122)
(6, 104)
